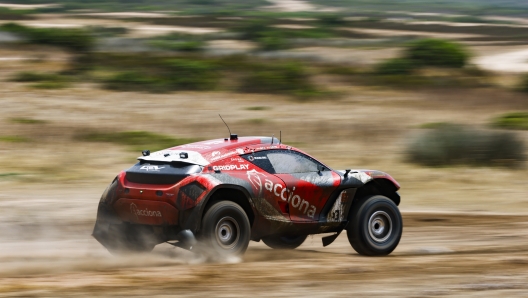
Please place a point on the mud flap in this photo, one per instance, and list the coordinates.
(329, 239)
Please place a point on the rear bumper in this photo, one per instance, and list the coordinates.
(146, 212)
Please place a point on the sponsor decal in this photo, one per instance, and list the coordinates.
(195, 147)
(231, 167)
(213, 142)
(282, 192)
(151, 168)
(237, 159)
(215, 153)
(251, 158)
(223, 156)
(254, 178)
(261, 157)
(143, 212)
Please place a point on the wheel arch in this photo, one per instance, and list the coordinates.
(233, 193)
(379, 186)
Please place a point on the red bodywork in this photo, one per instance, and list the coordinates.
(282, 198)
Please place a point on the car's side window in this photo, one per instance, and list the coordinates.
(291, 162)
(260, 159)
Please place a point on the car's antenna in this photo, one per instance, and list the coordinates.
(272, 137)
(231, 136)
(280, 137)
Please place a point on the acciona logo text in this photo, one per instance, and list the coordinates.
(143, 212)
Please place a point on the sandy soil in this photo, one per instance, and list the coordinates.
(385, 32)
(515, 61)
(448, 255)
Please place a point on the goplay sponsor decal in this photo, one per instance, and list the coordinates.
(282, 192)
(143, 212)
(231, 167)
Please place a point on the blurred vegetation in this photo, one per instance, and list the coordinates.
(13, 139)
(472, 7)
(15, 14)
(458, 145)
(107, 31)
(270, 38)
(198, 6)
(178, 42)
(288, 78)
(524, 84)
(9, 175)
(396, 66)
(515, 120)
(435, 125)
(22, 120)
(135, 140)
(172, 75)
(437, 52)
(42, 80)
(157, 73)
(75, 40)
(257, 108)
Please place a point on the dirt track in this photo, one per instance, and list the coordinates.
(440, 254)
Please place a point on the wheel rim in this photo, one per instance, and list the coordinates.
(227, 232)
(380, 226)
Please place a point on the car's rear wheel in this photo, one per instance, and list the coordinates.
(284, 242)
(375, 226)
(226, 229)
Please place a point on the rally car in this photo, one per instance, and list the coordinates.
(217, 195)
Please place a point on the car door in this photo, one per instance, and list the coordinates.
(308, 183)
(266, 185)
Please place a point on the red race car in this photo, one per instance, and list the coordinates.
(217, 195)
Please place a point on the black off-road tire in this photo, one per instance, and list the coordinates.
(375, 226)
(226, 230)
(284, 242)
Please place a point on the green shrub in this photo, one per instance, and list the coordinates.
(76, 40)
(22, 120)
(26, 76)
(103, 31)
(178, 42)
(459, 145)
(288, 78)
(12, 14)
(42, 80)
(192, 74)
(524, 84)
(272, 43)
(437, 52)
(331, 20)
(395, 66)
(136, 140)
(516, 120)
(173, 75)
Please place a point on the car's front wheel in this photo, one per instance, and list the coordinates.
(375, 226)
(226, 229)
(284, 242)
